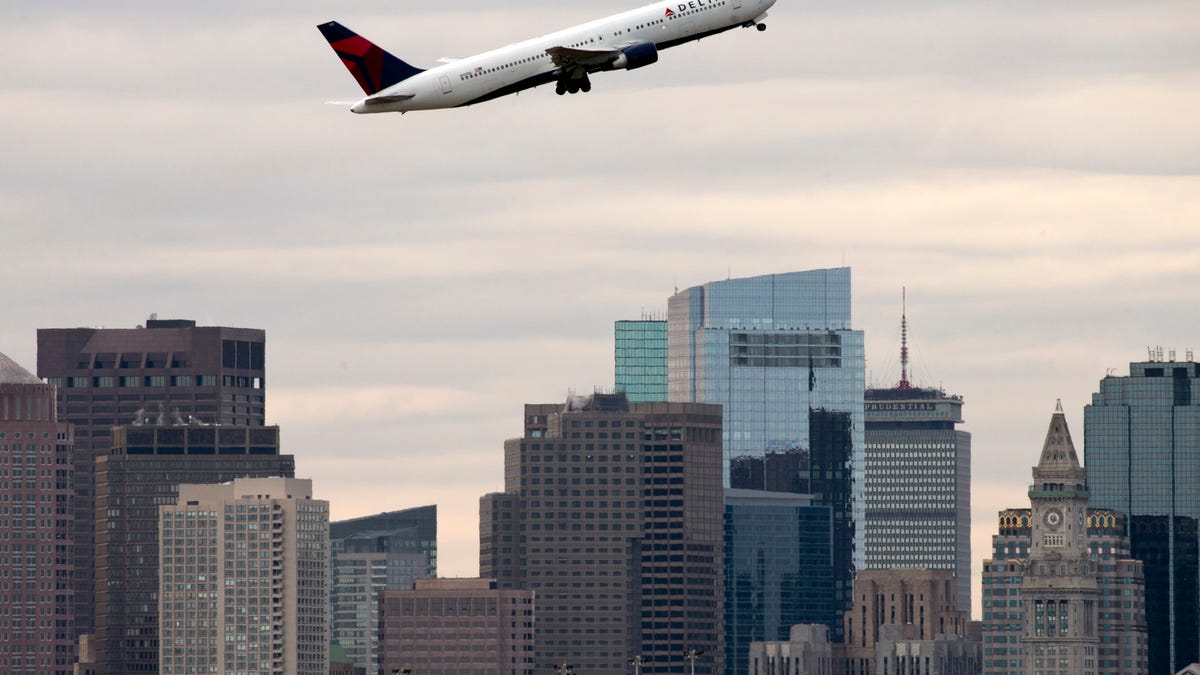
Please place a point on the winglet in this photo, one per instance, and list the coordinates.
(374, 68)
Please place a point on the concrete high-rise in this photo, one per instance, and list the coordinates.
(169, 371)
(1142, 448)
(387, 551)
(641, 359)
(37, 633)
(917, 488)
(141, 472)
(245, 579)
(1060, 593)
(778, 353)
(457, 627)
(612, 514)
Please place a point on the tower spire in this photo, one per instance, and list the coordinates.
(904, 383)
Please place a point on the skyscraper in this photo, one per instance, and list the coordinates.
(917, 480)
(169, 371)
(36, 528)
(245, 579)
(141, 472)
(779, 569)
(1060, 593)
(918, 484)
(641, 359)
(612, 514)
(778, 353)
(1142, 443)
(372, 554)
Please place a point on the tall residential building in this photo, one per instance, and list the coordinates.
(1061, 593)
(171, 371)
(641, 359)
(36, 528)
(457, 627)
(387, 551)
(1142, 444)
(612, 514)
(245, 579)
(779, 569)
(141, 472)
(772, 350)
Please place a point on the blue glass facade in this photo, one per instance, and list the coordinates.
(770, 349)
(778, 569)
(641, 360)
(1142, 447)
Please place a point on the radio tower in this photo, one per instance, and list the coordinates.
(904, 385)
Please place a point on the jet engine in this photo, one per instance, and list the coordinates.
(634, 54)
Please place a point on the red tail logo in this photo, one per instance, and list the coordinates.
(669, 12)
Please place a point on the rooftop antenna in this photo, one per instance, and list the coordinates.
(904, 385)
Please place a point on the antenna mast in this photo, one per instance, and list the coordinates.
(904, 383)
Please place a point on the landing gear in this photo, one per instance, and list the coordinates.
(761, 27)
(573, 85)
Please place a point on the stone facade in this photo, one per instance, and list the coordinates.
(1060, 594)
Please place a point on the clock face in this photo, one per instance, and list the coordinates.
(1053, 518)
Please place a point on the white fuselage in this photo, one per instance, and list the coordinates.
(526, 64)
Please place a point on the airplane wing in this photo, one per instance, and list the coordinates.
(587, 59)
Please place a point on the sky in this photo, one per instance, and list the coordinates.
(1029, 171)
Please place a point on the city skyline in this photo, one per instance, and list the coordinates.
(1029, 173)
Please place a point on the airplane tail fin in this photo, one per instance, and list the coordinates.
(374, 68)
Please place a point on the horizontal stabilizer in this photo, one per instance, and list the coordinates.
(389, 99)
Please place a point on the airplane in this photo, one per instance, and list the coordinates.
(567, 57)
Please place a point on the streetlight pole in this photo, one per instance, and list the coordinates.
(636, 662)
(691, 655)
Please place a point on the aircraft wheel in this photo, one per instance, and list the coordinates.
(573, 88)
(762, 27)
(560, 89)
(585, 87)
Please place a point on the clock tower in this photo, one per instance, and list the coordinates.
(1059, 592)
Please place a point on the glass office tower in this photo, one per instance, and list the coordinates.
(771, 349)
(778, 569)
(1142, 448)
(641, 360)
(369, 555)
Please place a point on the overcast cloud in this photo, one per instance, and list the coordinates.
(1028, 170)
